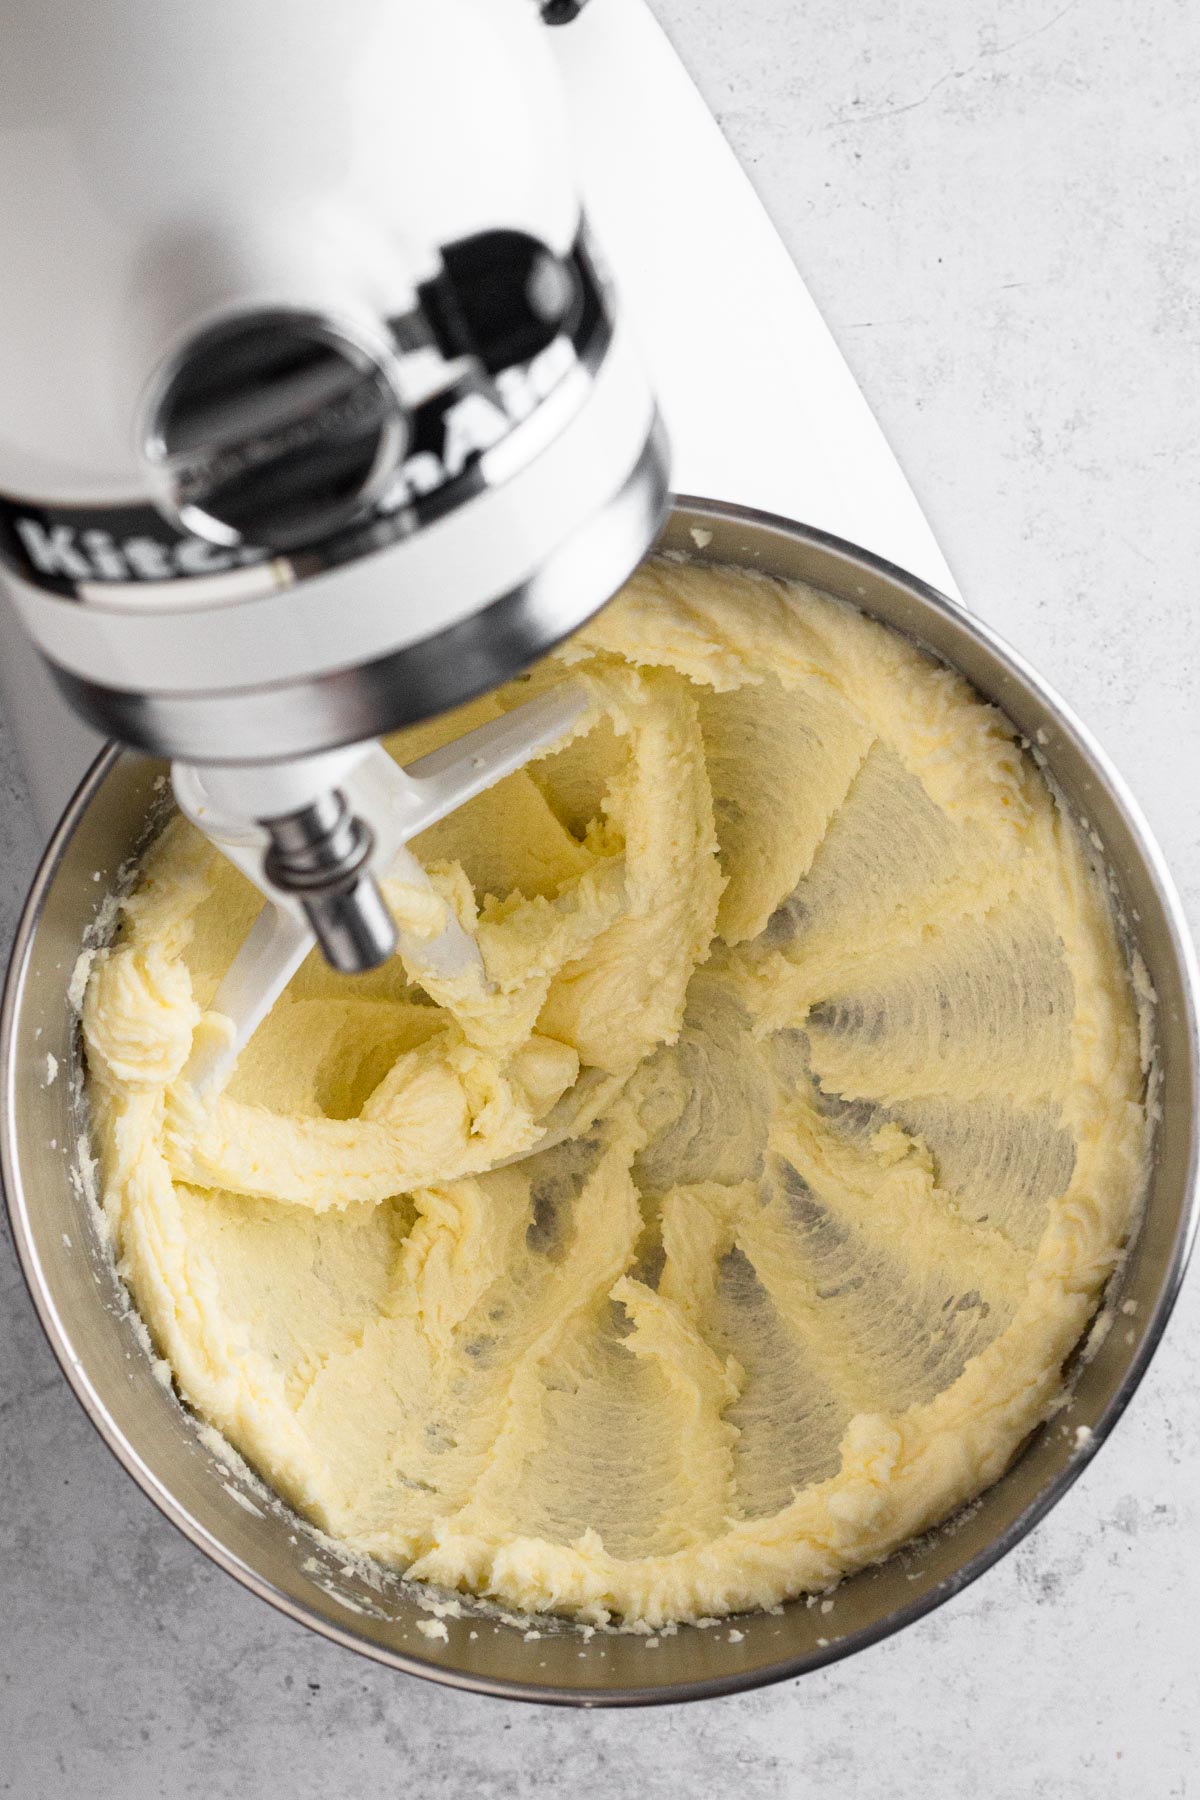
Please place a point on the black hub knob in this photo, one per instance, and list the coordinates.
(274, 430)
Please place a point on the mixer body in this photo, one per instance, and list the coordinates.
(319, 415)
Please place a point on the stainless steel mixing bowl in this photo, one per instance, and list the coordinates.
(107, 1361)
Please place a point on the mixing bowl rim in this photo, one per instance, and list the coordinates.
(73, 1367)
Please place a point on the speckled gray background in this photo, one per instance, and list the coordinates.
(995, 203)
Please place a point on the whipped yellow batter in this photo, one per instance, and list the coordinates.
(804, 977)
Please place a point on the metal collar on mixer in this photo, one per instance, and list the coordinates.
(286, 718)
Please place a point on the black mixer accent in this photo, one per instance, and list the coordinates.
(276, 429)
(503, 297)
(561, 12)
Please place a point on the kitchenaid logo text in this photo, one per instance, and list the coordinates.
(476, 422)
(72, 554)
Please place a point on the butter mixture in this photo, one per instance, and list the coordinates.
(802, 982)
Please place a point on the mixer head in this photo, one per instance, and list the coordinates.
(362, 432)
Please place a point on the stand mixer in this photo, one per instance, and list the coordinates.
(353, 426)
(333, 447)
(259, 269)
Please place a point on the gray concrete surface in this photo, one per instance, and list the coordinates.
(995, 203)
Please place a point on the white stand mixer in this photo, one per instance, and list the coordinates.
(351, 426)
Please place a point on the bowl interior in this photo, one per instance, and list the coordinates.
(106, 1356)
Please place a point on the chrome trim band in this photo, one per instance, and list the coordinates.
(295, 718)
